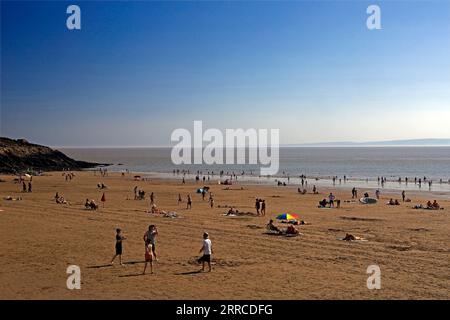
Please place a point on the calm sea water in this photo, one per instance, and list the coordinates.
(357, 163)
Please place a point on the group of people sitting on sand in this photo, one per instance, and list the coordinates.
(304, 191)
(430, 206)
(101, 186)
(60, 199)
(290, 230)
(90, 205)
(393, 202)
(330, 203)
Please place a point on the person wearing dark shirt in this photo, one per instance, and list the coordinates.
(119, 239)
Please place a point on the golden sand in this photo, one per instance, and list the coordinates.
(41, 238)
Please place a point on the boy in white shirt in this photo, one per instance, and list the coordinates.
(207, 251)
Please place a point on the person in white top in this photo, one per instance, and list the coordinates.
(207, 251)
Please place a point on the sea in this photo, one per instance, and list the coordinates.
(361, 166)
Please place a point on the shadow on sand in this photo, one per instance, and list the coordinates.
(188, 273)
(110, 265)
(134, 275)
(100, 266)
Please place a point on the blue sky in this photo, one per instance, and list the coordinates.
(138, 70)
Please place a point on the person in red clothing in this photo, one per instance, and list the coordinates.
(103, 200)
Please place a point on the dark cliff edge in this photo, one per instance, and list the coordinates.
(17, 156)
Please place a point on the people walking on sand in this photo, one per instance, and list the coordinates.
(403, 195)
(150, 238)
(148, 257)
(189, 202)
(263, 207)
(119, 239)
(257, 205)
(179, 199)
(207, 252)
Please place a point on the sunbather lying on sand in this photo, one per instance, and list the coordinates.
(350, 237)
(9, 198)
(291, 230)
(231, 212)
(236, 212)
(154, 209)
(295, 222)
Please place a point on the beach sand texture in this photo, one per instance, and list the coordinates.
(40, 239)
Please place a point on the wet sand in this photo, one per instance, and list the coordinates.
(41, 238)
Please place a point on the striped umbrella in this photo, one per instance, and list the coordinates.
(287, 216)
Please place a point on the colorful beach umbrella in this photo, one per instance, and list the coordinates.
(287, 216)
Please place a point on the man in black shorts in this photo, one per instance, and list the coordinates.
(207, 251)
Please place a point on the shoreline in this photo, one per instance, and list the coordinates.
(391, 187)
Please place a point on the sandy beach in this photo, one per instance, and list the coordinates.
(42, 238)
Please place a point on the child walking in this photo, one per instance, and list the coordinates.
(148, 257)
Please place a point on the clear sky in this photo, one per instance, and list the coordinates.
(138, 70)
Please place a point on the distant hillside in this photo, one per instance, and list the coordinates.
(19, 155)
(411, 142)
